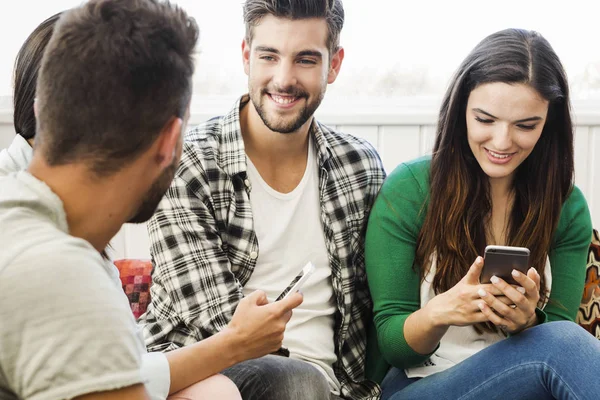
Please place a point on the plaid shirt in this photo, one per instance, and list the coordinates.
(204, 247)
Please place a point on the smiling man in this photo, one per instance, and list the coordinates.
(259, 193)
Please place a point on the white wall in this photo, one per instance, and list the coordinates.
(400, 130)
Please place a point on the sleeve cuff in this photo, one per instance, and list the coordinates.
(157, 375)
(541, 316)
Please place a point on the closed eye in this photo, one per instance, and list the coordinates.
(484, 121)
(527, 127)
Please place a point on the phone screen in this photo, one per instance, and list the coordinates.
(298, 281)
(290, 286)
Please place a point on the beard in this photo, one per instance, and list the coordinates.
(287, 124)
(155, 194)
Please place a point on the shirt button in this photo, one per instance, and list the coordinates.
(247, 182)
(254, 255)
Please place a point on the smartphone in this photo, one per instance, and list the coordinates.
(298, 281)
(501, 260)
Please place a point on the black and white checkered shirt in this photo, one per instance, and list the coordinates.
(204, 247)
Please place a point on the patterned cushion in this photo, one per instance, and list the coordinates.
(588, 315)
(136, 280)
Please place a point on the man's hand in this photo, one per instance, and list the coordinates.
(258, 327)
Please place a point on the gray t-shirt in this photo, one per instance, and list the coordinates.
(65, 328)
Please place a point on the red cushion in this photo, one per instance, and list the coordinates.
(136, 280)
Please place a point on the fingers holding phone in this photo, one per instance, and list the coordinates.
(287, 304)
(521, 314)
(458, 306)
(258, 326)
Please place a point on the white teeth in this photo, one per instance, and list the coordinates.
(283, 100)
(499, 155)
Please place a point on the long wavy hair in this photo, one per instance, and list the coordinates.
(460, 205)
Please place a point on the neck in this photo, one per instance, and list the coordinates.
(95, 210)
(500, 189)
(502, 202)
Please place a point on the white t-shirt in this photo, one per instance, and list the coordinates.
(16, 157)
(289, 231)
(155, 367)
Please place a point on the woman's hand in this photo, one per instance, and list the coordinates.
(524, 299)
(459, 306)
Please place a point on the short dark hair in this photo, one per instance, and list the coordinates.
(331, 10)
(114, 73)
(27, 66)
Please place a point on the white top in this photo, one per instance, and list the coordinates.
(289, 231)
(459, 342)
(16, 157)
(66, 329)
(155, 366)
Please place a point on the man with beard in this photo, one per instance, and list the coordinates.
(259, 193)
(113, 95)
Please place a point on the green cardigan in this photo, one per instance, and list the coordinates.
(394, 224)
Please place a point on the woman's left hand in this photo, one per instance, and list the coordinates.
(525, 299)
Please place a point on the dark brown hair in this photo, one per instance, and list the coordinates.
(459, 202)
(331, 10)
(27, 66)
(114, 73)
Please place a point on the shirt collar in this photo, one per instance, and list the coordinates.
(233, 155)
(17, 156)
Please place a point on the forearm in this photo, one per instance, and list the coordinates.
(201, 360)
(422, 333)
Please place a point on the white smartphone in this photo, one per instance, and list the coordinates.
(501, 260)
(298, 281)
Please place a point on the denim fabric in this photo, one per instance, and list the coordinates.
(555, 360)
(279, 378)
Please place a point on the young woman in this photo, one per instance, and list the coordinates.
(501, 173)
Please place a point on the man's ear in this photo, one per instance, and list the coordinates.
(335, 65)
(168, 142)
(246, 56)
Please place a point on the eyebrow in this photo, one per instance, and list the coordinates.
(302, 53)
(536, 118)
(310, 53)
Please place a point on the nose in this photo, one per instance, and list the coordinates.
(502, 137)
(284, 76)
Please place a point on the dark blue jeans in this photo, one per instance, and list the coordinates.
(279, 378)
(555, 360)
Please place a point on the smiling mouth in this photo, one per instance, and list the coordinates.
(500, 156)
(283, 99)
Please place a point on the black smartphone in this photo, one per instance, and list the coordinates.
(501, 260)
